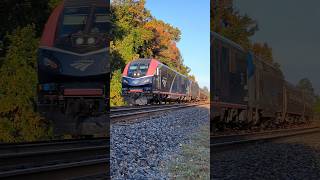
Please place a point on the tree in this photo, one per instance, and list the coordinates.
(263, 51)
(137, 34)
(205, 89)
(15, 13)
(317, 106)
(305, 84)
(18, 121)
(229, 23)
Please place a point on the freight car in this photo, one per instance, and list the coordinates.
(247, 91)
(73, 62)
(146, 81)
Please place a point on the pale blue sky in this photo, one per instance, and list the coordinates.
(193, 20)
(291, 28)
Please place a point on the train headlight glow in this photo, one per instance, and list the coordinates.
(91, 40)
(79, 41)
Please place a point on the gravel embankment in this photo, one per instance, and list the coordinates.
(140, 150)
(294, 158)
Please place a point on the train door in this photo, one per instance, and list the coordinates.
(157, 80)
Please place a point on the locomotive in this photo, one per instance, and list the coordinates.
(147, 81)
(73, 62)
(248, 91)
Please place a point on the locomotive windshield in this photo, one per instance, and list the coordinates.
(74, 21)
(138, 69)
(83, 29)
(102, 22)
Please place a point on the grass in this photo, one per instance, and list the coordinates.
(194, 161)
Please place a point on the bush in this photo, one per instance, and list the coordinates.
(18, 121)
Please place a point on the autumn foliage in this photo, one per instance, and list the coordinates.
(137, 34)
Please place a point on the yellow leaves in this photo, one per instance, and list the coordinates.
(18, 82)
(115, 94)
(263, 51)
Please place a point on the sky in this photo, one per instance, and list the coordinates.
(193, 20)
(292, 28)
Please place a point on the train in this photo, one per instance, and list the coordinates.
(250, 92)
(148, 81)
(74, 63)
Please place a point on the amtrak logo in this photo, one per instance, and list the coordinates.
(82, 65)
(164, 82)
(135, 82)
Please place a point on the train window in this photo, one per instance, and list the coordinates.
(102, 20)
(74, 20)
(143, 67)
(133, 67)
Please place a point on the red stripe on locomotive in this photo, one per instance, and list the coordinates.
(83, 92)
(152, 67)
(48, 36)
(125, 71)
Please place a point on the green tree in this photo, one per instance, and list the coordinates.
(229, 23)
(54, 3)
(116, 88)
(263, 51)
(137, 34)
(305, 84)
(15, 13)
(18, 121)
(317, 106)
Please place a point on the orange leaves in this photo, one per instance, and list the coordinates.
(164, 40)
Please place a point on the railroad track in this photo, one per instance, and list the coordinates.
(229, 142)
(124, 112)
(56, 159)
(67, 159)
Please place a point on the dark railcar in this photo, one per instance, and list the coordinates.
(228, 82)
(298, 104)
(195, 91)
(73, 62)
(265, 88)
(229, 71)
(249, 91)
(147, 80)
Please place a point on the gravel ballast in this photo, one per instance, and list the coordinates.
(141, 150)
(293, 158)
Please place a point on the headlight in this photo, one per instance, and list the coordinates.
(49, 63)
(91, 40)
(79, 41)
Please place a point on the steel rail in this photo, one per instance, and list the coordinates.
(242, 140)
(141, 111)
(55, 157)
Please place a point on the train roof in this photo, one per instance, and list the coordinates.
(73, 3)
(149, 59)
(232, 43)
(218, 36)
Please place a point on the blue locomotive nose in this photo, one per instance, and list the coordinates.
(65, 63)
